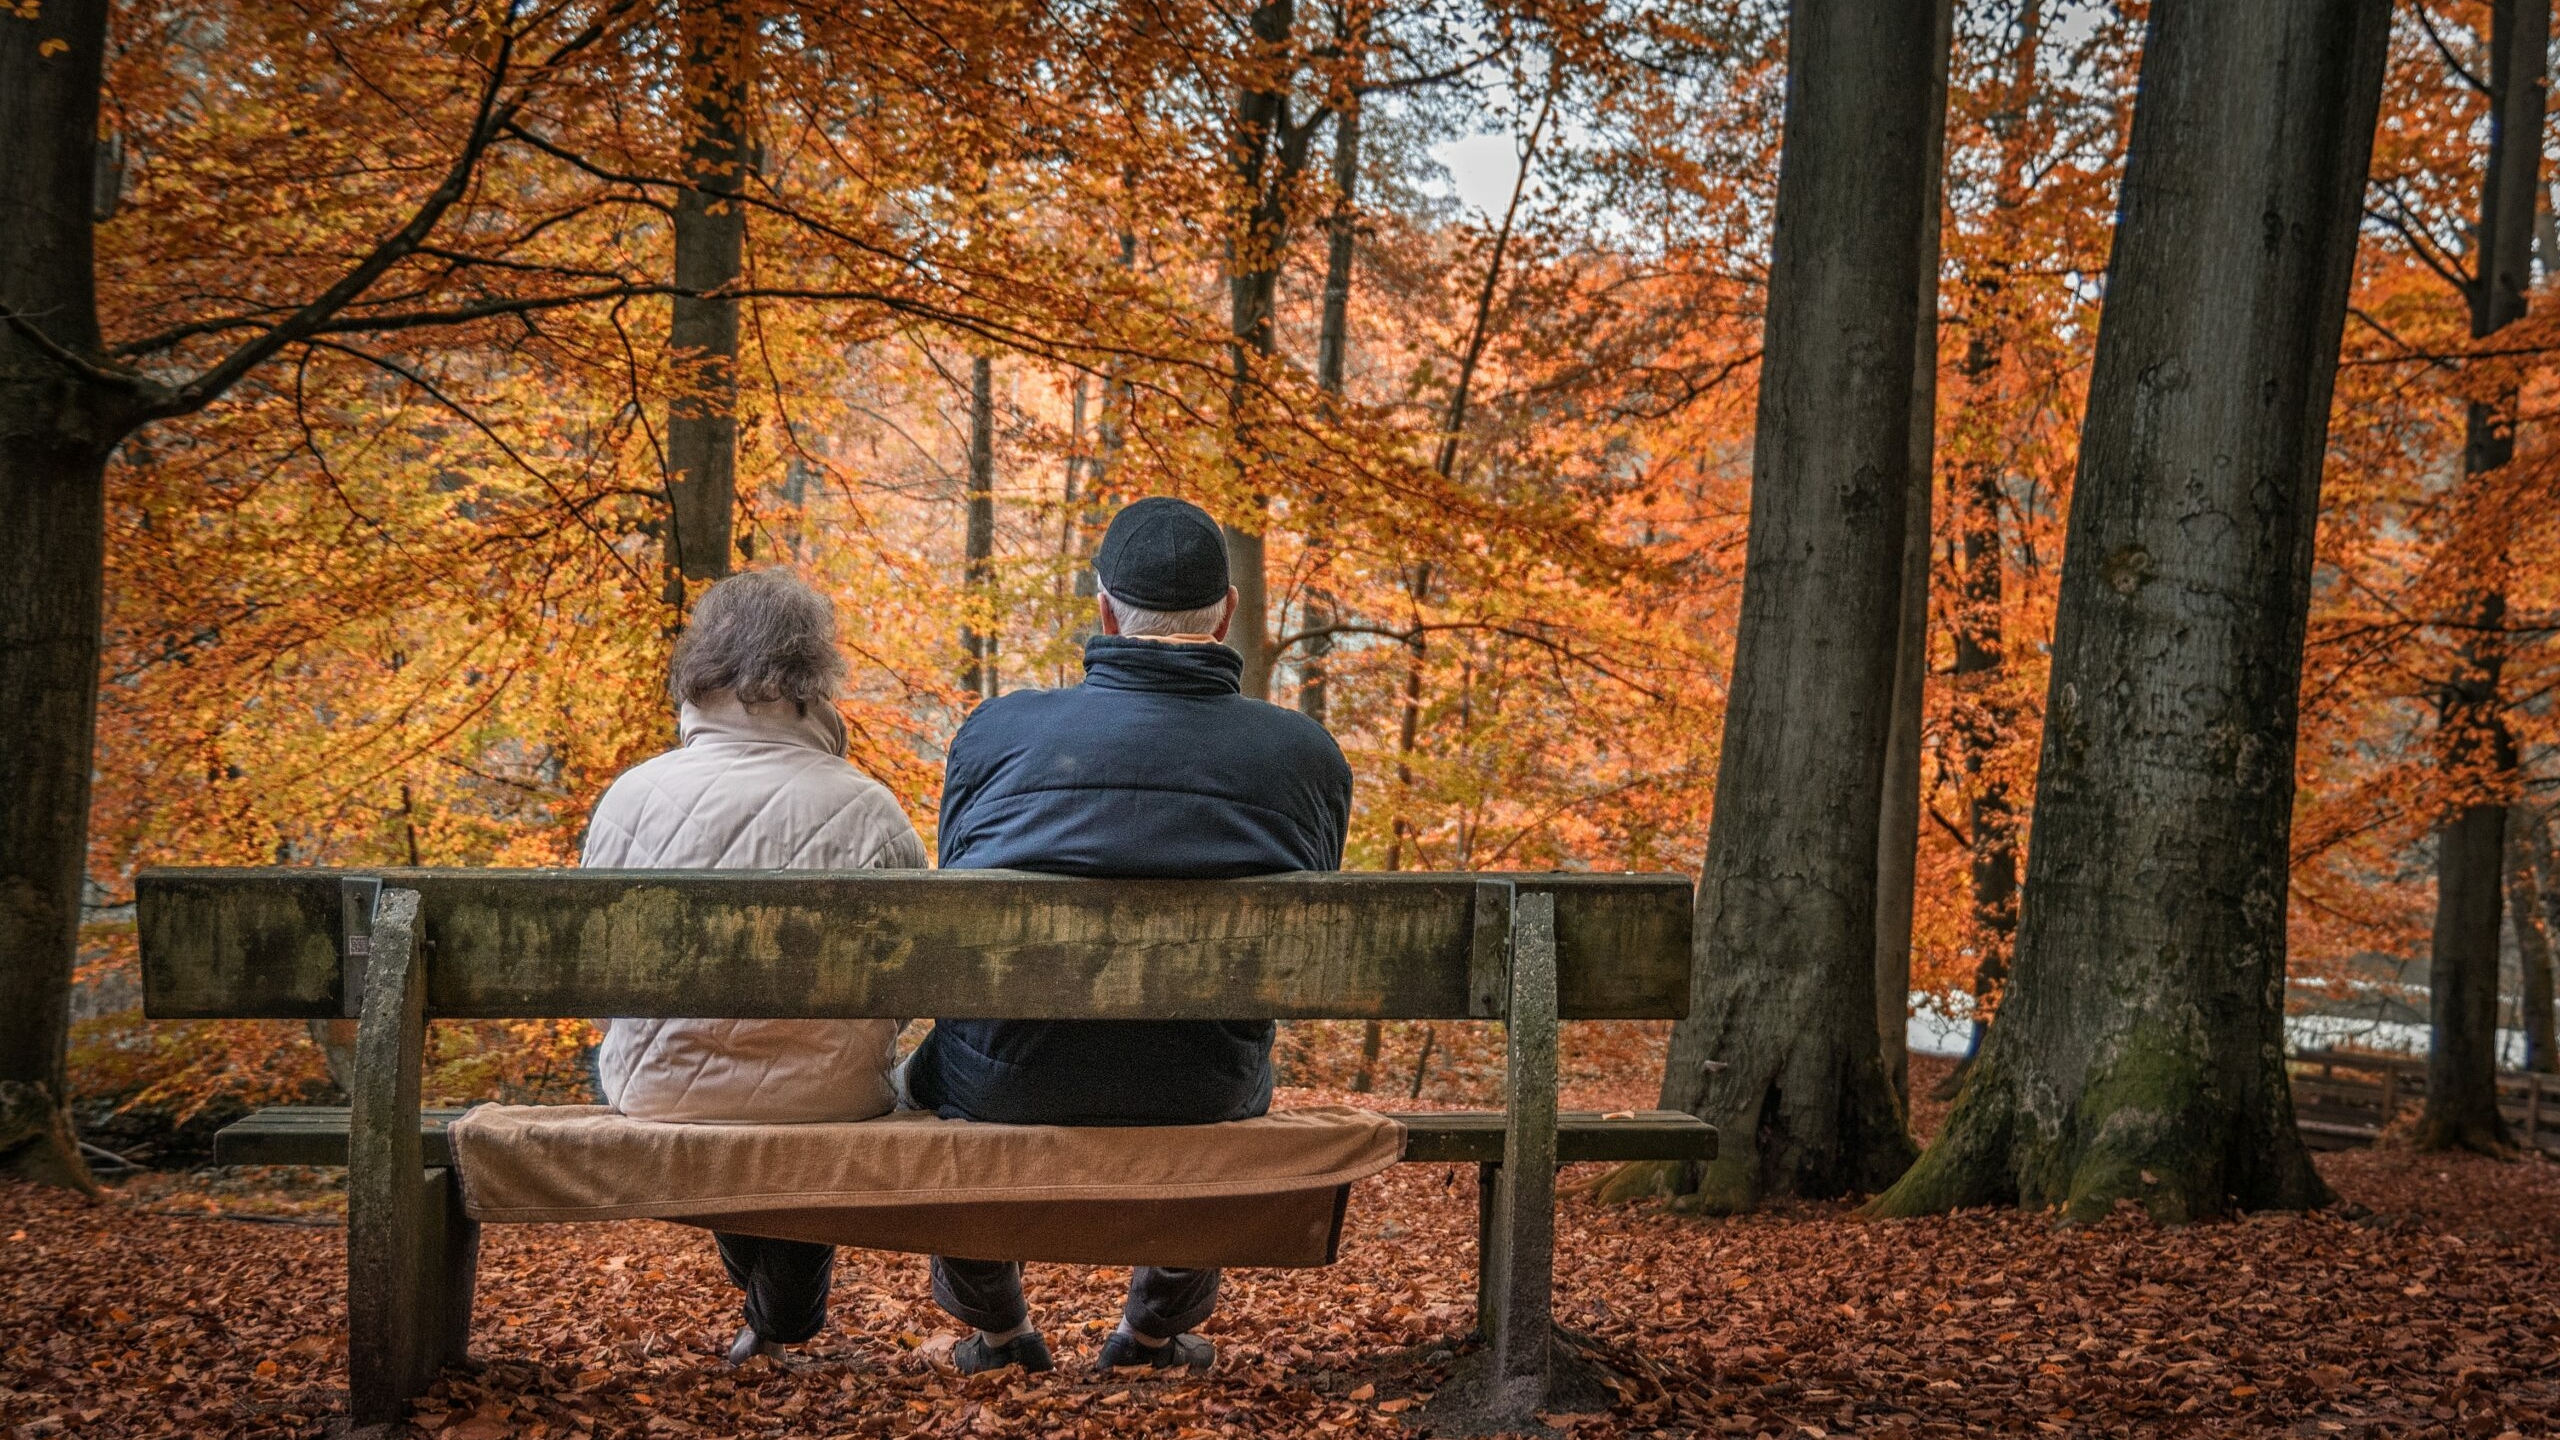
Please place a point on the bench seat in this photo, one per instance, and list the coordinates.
(317, 1135)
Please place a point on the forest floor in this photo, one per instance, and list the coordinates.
(2426, 1304)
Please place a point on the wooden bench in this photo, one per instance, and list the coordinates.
(394, 948)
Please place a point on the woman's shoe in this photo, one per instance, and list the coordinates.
(749, 1345)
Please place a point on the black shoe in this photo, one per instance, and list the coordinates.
(749, 1345)
(974, 1356)
(1182, 1352)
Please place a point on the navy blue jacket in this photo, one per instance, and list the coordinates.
(1155, 767)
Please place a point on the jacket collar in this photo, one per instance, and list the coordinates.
(721, 719)
(1120, 662)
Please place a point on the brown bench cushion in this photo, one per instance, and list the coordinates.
(1265, 1192)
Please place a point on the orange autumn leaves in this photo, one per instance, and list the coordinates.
(402, 597)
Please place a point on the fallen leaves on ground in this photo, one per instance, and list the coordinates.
(2423, 1306)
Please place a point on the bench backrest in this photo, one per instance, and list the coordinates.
(529, 944)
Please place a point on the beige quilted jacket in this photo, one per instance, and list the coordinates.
(752, 787)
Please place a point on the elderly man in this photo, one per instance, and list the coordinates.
(1155, 766)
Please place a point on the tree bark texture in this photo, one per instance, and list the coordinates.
(57, 428)
(2474, 750)
(1785, 989)
(2139, 1050)
(1333, 345)
(978, 673)
(1898, 821)
(1267, 157)
(2533, 940)
(1982, 720)
(719, 38)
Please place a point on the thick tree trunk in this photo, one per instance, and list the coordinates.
(2473, 747)
(56, 431)
(719, 39)
(977, 634)
(2139, 1050)
(1333, 345)
(1898, 823)
(1266, 161)
(2533, 940)
(1785, 999)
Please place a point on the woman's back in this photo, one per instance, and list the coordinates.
(759, 786)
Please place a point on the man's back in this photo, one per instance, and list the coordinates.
(1154, 767)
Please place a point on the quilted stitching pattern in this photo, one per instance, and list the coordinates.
(752, 789)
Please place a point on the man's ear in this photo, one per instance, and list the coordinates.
(1228, 618)
(1110, 621)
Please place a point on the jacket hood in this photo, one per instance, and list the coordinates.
(720, 718)
(1120, 662)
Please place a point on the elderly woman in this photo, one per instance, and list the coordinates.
(758, 781)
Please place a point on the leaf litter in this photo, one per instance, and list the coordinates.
(2423, 1305)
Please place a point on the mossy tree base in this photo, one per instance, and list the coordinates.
(38, 1142)
(2155, 1124)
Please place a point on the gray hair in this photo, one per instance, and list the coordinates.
(1142, 623)
(764, 634)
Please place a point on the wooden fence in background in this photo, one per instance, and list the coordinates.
(2346, 1098)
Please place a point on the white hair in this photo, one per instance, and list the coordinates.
(1141, 622)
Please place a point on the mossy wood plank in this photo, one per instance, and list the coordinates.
(534, 943)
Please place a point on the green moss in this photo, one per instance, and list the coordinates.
(1638, 1180)
(1727, 1185)
(1968, 1164)
(2146, 1129)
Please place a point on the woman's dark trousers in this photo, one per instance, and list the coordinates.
(786, 1283)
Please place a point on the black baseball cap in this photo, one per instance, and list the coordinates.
(1163, 554)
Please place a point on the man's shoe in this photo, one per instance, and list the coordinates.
(749, 1345)
(974, 1356)
(1182, 1352)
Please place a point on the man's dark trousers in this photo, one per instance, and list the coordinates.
(988, 1294)
(1154, 767)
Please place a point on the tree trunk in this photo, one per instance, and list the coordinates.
(56, 431)
(1785, 997)
(2139, 1051)
(2474, 750)
(1069, 559)
(1333, 343)
(1982, 720)
(1110, 432)
(2533, 941)
(978, 673)
(1982, 715)
(1266, 160)
(1898, 822)
(710, 234)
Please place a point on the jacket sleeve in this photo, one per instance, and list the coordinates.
(901, 849)
(608, 838)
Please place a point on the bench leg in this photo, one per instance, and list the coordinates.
(451, 1267)
(1519, 1273)
(1510, 1381)
(1488, 1181)
(405, 1249)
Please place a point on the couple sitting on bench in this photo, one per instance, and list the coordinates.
(1155, 766)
